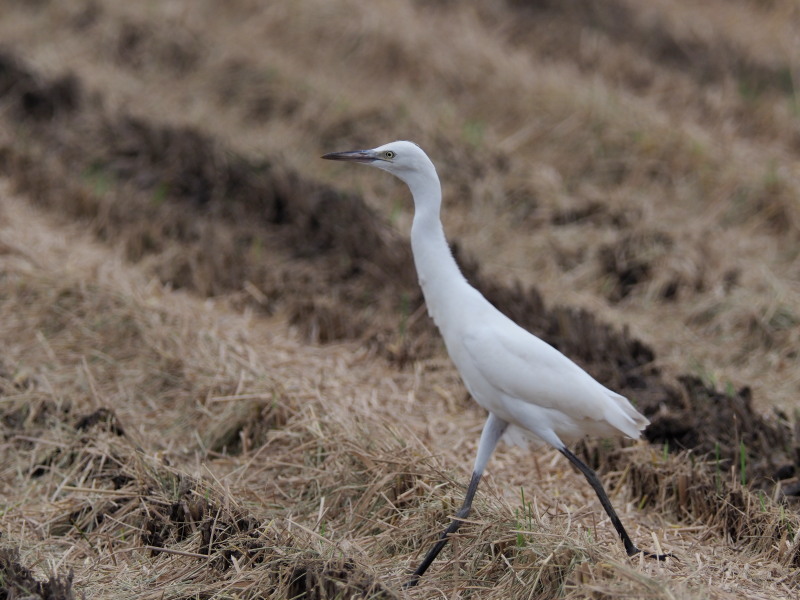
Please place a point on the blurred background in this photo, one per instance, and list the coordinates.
(639, 160)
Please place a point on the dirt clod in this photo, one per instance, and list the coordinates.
(18, 583)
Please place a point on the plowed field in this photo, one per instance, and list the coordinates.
(217, 375)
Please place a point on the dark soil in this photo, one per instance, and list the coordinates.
(18, 583)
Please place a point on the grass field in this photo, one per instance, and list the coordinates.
(217, 375)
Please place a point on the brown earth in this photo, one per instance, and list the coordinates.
(217, 377)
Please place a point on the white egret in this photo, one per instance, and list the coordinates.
(523, 382)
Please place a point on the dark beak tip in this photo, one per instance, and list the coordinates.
(353, 155)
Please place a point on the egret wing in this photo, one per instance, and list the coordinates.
(522, 366)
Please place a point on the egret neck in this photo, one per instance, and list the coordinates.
(439, 275)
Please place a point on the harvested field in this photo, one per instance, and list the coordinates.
(217, 375)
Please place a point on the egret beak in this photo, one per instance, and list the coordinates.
(362, 156)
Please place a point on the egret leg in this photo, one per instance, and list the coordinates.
(492, 432)
(591, 477)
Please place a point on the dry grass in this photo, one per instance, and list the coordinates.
(638, 164)
(229, 460)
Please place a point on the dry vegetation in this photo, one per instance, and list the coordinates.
(217, 378)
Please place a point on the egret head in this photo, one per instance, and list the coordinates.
(405, 160)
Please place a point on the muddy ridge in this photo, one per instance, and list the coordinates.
(706, 63)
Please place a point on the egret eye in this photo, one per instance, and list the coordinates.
(388, 154)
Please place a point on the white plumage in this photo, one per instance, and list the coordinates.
(523, 382)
